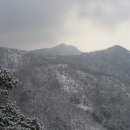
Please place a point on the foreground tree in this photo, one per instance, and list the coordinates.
(10, 115)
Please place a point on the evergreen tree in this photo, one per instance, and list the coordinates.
(10, 116)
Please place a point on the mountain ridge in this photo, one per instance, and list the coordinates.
(63, 45)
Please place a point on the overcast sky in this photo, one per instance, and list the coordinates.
(87, 24)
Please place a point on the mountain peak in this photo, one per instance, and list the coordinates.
(61, 49)
(64, 49)
(117, 48)
(62, 44)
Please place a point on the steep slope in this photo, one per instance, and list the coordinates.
(60, 98)
(61, 49)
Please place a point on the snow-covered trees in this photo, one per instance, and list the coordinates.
(10, 116)
(7, 81)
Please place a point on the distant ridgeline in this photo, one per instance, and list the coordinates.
(10, 116)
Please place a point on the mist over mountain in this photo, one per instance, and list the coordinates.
(70, 90)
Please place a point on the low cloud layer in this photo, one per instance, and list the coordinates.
(87, 24)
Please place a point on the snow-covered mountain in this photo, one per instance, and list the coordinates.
(89, 91)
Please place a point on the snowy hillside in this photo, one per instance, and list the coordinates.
(87, 91)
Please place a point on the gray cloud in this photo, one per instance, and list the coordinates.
(27, 21)
(17, 14)
(35, 23)
(105, 12)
